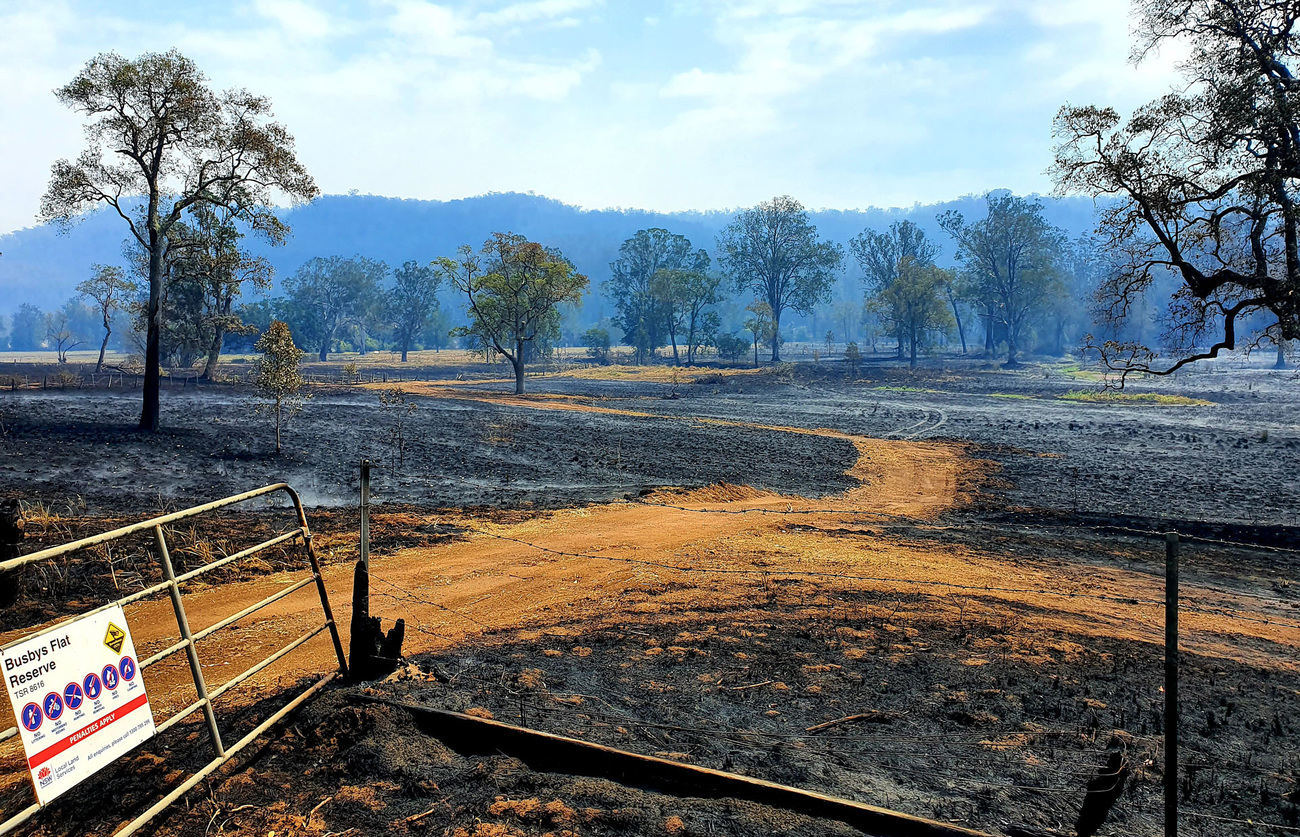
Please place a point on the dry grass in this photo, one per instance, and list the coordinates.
(1107, 396)
(660, 374)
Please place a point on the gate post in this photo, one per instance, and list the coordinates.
(192, 653)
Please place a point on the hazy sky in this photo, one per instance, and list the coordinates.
(661, 105)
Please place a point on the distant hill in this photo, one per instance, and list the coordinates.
(42, 266)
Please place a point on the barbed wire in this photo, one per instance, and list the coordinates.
(768, 573)
(409, 596)
(1023, 527)
(1238, 615)
(1255, 823)
(1235, 614)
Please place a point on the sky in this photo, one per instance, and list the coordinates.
(670, 105)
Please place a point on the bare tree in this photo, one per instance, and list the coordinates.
(1204, 181)
(773, 251)
(111, 291)
(399, 407)
(155, 129)
(60, 333)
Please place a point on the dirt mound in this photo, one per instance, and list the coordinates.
(719, 492)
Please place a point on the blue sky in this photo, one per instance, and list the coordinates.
(661, 105)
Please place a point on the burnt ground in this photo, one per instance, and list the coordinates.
(59, 445)
(974, 712)
(1230, 461)
(980, 713)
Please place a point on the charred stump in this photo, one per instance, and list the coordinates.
(11, 537)
(372, 653)
(1103, 791)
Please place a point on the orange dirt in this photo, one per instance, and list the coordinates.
(538, 575)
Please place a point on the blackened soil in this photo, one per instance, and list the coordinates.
(975, 712)
(970, 710)
(454, 453)
(1233, 459)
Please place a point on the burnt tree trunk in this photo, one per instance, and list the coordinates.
(11, 536)
(371, 653)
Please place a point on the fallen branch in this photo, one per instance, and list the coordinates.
(750, 686)
(873, 717)
(417, 817)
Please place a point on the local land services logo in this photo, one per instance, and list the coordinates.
(114, 638)
(45, 776)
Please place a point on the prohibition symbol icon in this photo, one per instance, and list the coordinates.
(110, 676)
(53, 706)
(73, 696)
(92, 685)
(127, 668)
(32, 717)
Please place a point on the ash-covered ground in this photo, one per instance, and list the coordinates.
(1231, 459)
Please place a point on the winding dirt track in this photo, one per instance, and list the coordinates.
(538, 575)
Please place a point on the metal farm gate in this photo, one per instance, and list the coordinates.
(188, 640)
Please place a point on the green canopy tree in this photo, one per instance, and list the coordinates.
(156, 131)
(1011, 262)
(772, 250)
(111, 292)
(278, 374)
(683, 296)
(27, 328)
(760, 325)
(879, 254)
(207, 274)
(412, 302)
(642, 313)
(913, 305)
(513, 288)
(326, 293)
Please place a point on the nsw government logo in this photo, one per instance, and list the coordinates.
(45, 776)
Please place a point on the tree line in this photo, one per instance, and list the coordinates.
(1200, 232)
(1015, 275)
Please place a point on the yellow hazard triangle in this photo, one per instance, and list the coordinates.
(115, 638)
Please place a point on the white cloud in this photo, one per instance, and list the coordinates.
(517, 14)
(697, 104)
(297, 18)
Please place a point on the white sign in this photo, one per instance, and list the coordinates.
(79, 698)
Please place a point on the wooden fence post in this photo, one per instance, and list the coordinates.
(1171, 684)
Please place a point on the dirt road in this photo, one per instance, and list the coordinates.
(572, 569)
(672, 557)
